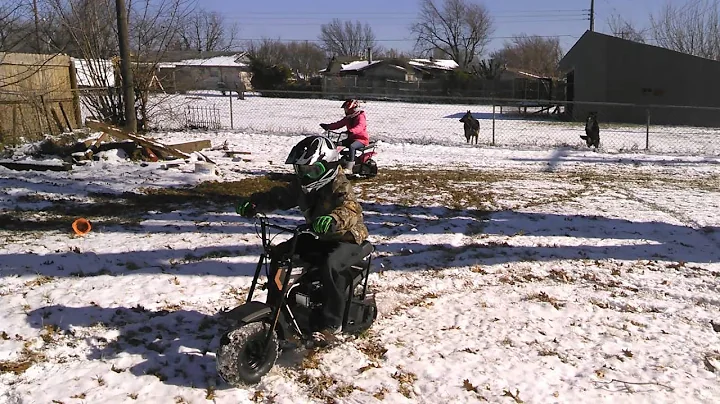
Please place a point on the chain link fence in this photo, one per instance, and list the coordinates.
(436, 120)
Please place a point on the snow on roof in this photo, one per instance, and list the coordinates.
(445, 64)
(357, 65)
(94, 72)
(232, 60)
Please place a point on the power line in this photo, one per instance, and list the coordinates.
(397, 13)
(399, 39)
(395, 24)
(502, 18)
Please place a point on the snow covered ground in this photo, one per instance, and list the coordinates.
(414, 123)
(501, 275)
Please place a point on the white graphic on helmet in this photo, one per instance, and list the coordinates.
(314, 151)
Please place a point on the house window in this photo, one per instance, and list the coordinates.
(214, 72)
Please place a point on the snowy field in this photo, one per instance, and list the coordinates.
(400, 122)
(502, 276)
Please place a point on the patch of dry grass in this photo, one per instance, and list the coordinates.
(18, 366)
(544, 297)
(406, 380)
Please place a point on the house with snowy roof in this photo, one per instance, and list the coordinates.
(215, 71)
(372, 75)
(390, 69)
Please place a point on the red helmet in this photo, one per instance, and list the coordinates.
(350, 105)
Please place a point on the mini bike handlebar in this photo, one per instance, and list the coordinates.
(265, 224)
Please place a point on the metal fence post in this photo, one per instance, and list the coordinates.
(232, 123)
(493, 124)
(647, 129)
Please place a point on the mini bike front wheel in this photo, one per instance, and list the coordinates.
(241, 359)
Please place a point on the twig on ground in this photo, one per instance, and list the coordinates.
(637, 383)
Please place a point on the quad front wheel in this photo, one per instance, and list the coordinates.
(241, 359)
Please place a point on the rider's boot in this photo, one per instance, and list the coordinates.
(349, 168)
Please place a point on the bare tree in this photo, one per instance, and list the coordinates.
(88, 29)
(459, 29)
(393, 53)
(13, 23)
(533, 54)
(623, 28)
(84, 28)
(490, 69)
(207, 32)
(154, 25)
(347, 38)
(693, 28)
(269, 51)
(305, 59)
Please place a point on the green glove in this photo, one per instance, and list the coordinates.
(245, 209)
(323, 224)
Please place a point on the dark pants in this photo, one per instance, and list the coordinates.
(352, 146)
(333, 259)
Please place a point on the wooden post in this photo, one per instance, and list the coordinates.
(75, 95)
(647, 129)
(67, 121)
(46, 113)
(125, 68)
(14, 123)
(231, 112)
(493, 124)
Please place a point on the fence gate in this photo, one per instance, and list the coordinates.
(202, 117)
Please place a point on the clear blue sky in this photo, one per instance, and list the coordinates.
(301, 19)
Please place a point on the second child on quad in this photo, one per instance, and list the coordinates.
(357, 136)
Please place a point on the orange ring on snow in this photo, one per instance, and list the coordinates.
(81, 226)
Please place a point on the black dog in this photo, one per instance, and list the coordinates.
(471, 126)
(592, 131)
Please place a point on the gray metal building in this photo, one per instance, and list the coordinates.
(604, 68)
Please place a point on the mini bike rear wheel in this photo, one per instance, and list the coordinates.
(241, 359)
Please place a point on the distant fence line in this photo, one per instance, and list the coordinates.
(515, 88)
(510, 122)
(435, 119)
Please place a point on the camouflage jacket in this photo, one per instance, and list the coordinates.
(336, 200)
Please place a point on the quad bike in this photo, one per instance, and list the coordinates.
(364, 164)
(292, 312)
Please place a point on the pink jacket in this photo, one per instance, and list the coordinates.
(356, 127)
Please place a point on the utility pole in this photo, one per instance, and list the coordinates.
(125, 68)
(592, 15)
(37, 27)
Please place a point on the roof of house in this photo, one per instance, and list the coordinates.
(358, 65)
(443, 64)
(592, 38)
(216, 61)
(523, 74)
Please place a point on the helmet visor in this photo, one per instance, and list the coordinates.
(313, 171)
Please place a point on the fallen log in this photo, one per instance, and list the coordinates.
(35, 166)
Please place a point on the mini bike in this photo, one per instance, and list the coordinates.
(291, 313)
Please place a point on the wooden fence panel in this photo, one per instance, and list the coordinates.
(37, 96)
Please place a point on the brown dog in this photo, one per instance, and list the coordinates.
(471, 126)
